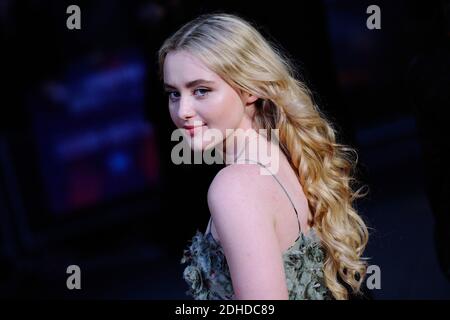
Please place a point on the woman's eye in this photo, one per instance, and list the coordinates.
(173, 95)
(201, 91)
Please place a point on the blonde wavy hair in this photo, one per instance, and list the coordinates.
(235, 50)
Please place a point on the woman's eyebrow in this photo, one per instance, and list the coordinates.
(190, 84)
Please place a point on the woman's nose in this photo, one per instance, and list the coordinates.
(185, 109)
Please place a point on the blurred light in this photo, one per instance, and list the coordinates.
(119, 162)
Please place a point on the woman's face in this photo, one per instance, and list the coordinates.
(199, 97)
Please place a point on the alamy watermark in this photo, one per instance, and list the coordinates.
(373, 280)
(235, 146)
(374, 20)
(74, 280)
(74, 20)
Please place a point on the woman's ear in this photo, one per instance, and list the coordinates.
(249, 98)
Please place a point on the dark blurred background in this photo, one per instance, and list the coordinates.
(85, 172)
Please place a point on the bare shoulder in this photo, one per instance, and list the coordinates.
(241, 185)
(241, 202)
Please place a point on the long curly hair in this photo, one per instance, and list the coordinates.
(235, 50)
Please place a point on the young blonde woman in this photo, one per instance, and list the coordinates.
(291, 233)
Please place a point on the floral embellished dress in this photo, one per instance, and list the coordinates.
(208, 276)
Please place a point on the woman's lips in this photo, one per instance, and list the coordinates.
(191, 129)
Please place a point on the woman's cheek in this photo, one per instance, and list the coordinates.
(219, 112)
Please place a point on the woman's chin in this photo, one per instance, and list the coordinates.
(202, 141)
(201, 145)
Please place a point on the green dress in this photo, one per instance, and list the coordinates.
(208, 276)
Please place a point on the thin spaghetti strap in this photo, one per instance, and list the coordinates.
(296, 213)
(208, 228)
